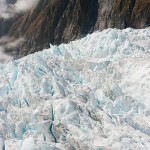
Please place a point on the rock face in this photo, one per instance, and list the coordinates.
(123, 13)
(57, 21)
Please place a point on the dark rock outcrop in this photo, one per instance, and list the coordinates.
(57, 21)
(123, 13)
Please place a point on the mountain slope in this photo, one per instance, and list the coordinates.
(56, 21)
(89, 94)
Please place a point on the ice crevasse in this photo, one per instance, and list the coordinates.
(89, 94)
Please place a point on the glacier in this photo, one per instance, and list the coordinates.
(89, 94)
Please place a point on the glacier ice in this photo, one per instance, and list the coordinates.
(89, 94)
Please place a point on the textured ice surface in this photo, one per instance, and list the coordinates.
(90, 94)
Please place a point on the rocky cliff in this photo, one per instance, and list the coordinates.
(57, 21)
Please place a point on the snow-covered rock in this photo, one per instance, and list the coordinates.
(90, 94)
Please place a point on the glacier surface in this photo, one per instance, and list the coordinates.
(89, 94)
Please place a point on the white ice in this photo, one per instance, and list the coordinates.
(90, 94)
